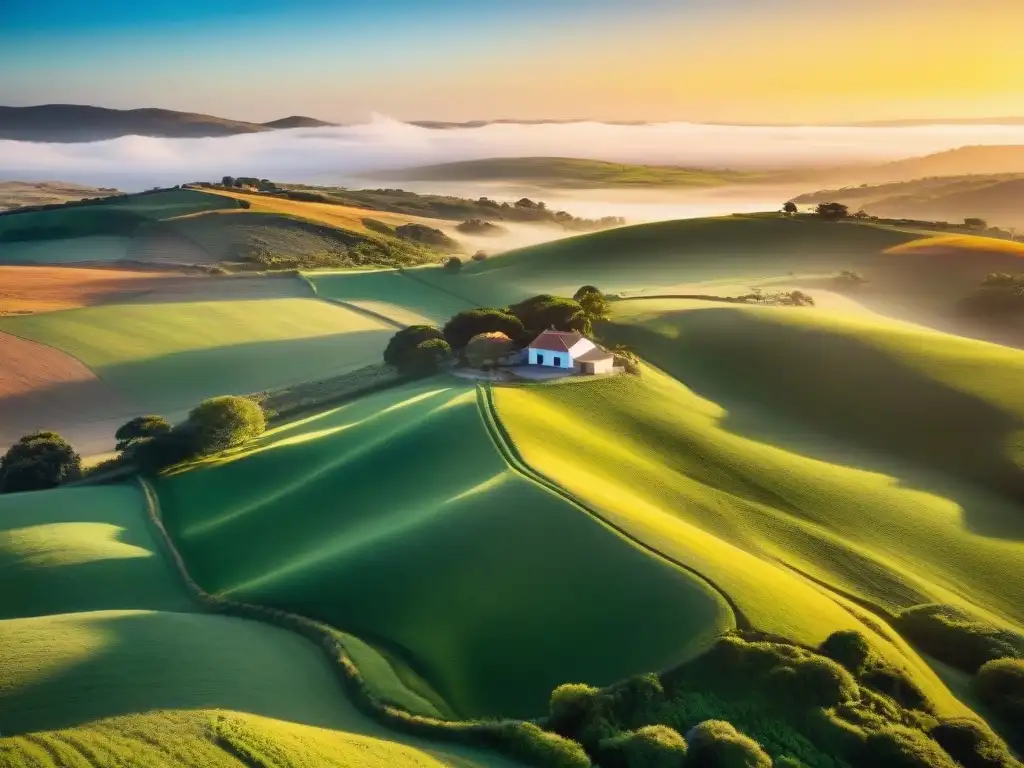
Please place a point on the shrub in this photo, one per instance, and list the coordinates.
(535, 746)
(375, 225)
(1000, 684)
(716, 744)
(633, 699)
(899, 747)
(832, 211)
(816, 682)
(480, 256)
(406, 340)
(952, 635)
(972, 744)
(487, 349)
(427, 357)
(539, 313)
(653, 746)
(139, 427)
(454, 264)
(571, 704)
(154, 454)
(897, 685)
(39, 461)
(480, 227)
(420, 233)
(593, 302)
(223, 422)
(465, 325)
(849, 648)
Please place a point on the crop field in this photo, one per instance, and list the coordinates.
(105, 660)
(402, 297)
(174, 354)
(26, 290)
(341, 216)
(487, 586)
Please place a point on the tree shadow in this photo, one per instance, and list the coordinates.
(839, 400)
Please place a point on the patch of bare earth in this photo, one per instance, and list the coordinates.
(29, 289)
(42, 388)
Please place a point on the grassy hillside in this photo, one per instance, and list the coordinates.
(995, 197)
(567, 172)
(105, 661)
(14, 194)
(746, 514)
(173, 354)
(835, 459)
(402, 297)
(487, 587)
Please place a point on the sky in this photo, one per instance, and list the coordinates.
(732, 61)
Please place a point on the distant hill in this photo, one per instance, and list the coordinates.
(75, 123)
(17, 194)
(946, 121)
(566, 172)
(999, 159)
(997, 198)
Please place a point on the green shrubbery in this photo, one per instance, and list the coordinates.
(224, 422)
(849, 648)
(139, 428)
(653, 746)
(1000, 684)
(39, 461)
(465, 325)
(814, 682)
(900, 747)
(972, 744)
(717, 744)
(539, 313)
(952, 635)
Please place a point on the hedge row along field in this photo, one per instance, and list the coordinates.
(105, 658)
(483, 589)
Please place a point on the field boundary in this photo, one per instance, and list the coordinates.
(518, 739)
(506, 447)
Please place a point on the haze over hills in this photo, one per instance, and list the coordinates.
(74, 123)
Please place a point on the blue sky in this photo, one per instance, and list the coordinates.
(467, 59)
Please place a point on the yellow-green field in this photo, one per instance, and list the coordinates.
(171, 355)
(105, 660)
(488, 586)
(400, 296)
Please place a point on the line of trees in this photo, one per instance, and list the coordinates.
(44, 460)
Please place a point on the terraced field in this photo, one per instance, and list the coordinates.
(483, 589)
(104, 659)
(173, 354)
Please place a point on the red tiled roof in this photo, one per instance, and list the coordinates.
(556, 341)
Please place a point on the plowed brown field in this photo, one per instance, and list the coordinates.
(25, 290)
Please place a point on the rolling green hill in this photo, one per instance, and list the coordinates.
(171, 355)
(569, 173)
(485, 589)
(105, 660)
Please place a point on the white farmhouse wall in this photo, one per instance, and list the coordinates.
(549, 358)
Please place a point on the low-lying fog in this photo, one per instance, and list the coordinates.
(335, 155)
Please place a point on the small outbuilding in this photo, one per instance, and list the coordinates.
(569, 350)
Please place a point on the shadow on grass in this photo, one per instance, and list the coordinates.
(812, 393)
(39, 560)
(183, 379)
(140, 662)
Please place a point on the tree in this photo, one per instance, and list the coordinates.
(542, 312)
(974, 223)
(228, 181)
(39, 461)
(223, 422)
(426, 358)
(832, 211)
(465, 325)
(400, 349)
(594, 303)
(140, 427)
(454, 264)
(789, 207)
(486, 349)
(480, 256)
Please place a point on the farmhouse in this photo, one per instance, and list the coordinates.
(569, 350)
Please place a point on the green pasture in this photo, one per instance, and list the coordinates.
(405, 297)
(171, 355)
(489, 587)
(105, 659)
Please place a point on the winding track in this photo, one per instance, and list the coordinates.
(506, 447)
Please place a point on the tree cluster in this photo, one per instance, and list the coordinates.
(39, 461)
